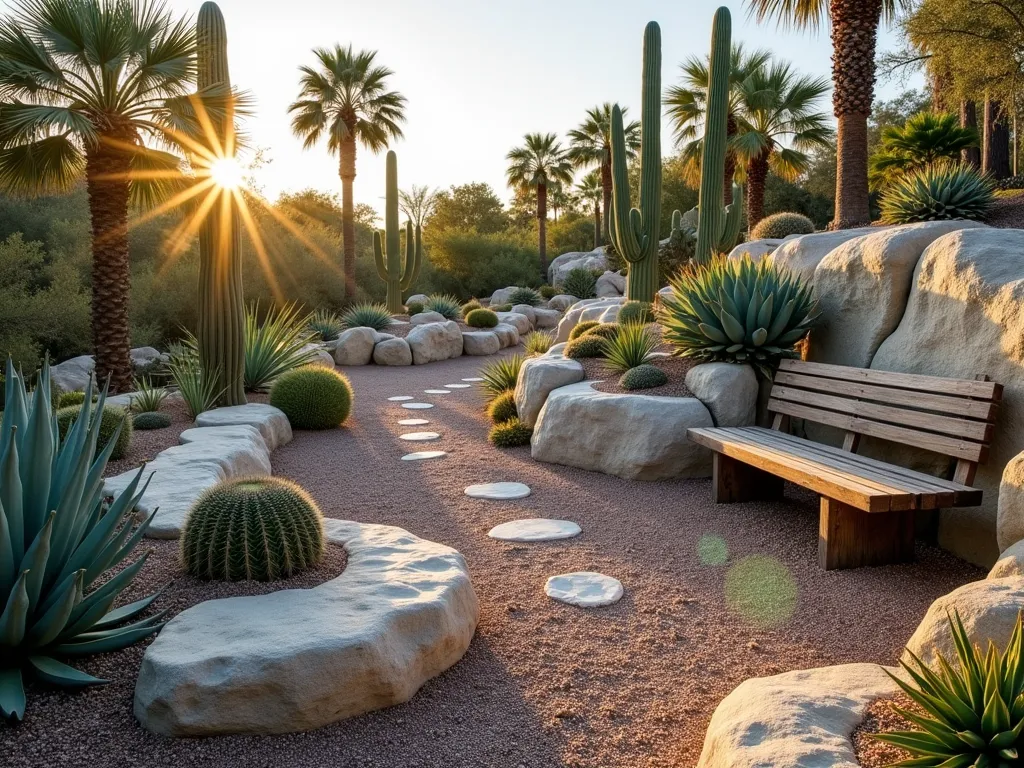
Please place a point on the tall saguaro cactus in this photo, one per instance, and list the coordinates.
(634, 232)
(398, 275)
(221, 307)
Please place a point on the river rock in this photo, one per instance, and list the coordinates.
(394, 351)
(520, 322)
(480, 343)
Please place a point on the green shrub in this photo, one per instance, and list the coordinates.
(147, 398)
(151, 420)
(510, 434)
(313, 397)
(482, 263)
(581, 283)
(252, 529)
(633, 345)
(526, 296)
(537, 343)
(326, 325)
(481, 318)
(733, 310)
(643, 377)
(937, 193)
(469, 306)
(366, 315)
(413, 308)
(501, 375)
(501, 308)
(547, 291)
(274, 346)
(71, 398)
(641, 312)
(445, 305)
(585, 346)
(604, 330)
(113, 426)
(780, 225)
(582, 328)
(503, 407)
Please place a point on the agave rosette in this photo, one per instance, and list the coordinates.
(938, 192)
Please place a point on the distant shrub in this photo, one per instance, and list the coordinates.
(510, 434)
(151, 420)
(503, 407)
(71, 398)
(643, 377)
(526, 296)
(501, 308)
(110, 419)
(582, 328)
(537, 343)
(580, 282)
(547, 291)
(313, 397)
(481, 318)
(780, 225)
(445, 305)
(483, 263)
(413, 308)
(641, 312)
(585, 346)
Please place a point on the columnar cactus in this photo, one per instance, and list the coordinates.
(399, 276)
(634, 232)
(221, 309)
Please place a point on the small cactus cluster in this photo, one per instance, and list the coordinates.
(252, 529)
(641, 312)
(587, 345)
(114, 424)
(313, 397)
(470, 305)
(604, 330)
(502, 408)
(781, 225)
(398, 274)
(581, 328)
(644, 376)
(481, 318)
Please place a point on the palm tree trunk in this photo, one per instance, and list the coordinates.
(757, 172)
(597, 223)
(969, 119)
(730, 159)
(606, 188)
(347, 171)
(996, 148)
(854, 38)
(106, 180)
(542, 227)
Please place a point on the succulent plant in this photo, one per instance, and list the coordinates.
(278, 344)
(445, 305)
(604, 330)
(59, 541)
(500, 308)
(938, 192)
(641, 312)
(252, 529)
(734, 310)
(115, 425)
(580, 282)
(781, 225)
(501, 375)
(973, 715)
(631, 346)
(502, 408)
(151, 420)
(147, 398)
(325, 324)
(313, 397)
(198, 391)
(481, 318)
(526, 296)
(644, 376)
(580, 328)
(413, 308)
(537, 343)
(585, 346)
(510, 434)
(470, 305)
(398, 274)
(367, 315)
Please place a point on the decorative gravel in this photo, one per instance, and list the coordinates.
(882, 718)
(675, 368)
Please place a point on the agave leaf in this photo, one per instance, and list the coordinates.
(57, 673)
(35, 562)
(110, 639)
(126, 612)
(8, 567)
(922, 744)
(36, 474)
(15, 616)
(103, 596)
(46, 628)
(714, 333)
(939, 730)
(12, 694)
(11, 492)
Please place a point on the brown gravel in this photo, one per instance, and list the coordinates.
(882, 718)
(715, 594)
(1008, 210)
(147, 443)
(674, 367)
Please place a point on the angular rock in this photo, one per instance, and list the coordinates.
(561, 302)
(1010, 507)
(1010, 563)
(73, 375)
(610, 285)
(538, 377)
(636, 437)
(435, 341)
(427, 317)
(355, 346)
(546, 318)
(392, 352)
(587, 309)
(520, 322)
(562, 265)
(728, 390)
(507, 334)
(756, 249)
(479, 343)
(403, 611)
(801, 255)
(528, 311)
(270, 421)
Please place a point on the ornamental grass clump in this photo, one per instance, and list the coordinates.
(503, 407)
(325, 324)
(582, 328)
(510, 434)
(580, 282)
(526, 296)
(782, 225)
(939, 192)
(631, 346)
(115, 425)
(445, 305)
(737, 311)
(277, 345)
(537, 343)
(481, 318)
(501, 375)
(313, 397)
(198, 391)
(367, 315)
(147, 398)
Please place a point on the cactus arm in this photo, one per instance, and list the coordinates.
(413, 256)
(733, 221)
(378, 257)
(624, 237)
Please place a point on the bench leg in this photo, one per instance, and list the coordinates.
(851, 538)
(734, 481)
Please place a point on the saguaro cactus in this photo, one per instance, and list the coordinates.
(221, 308)
(398, 275)
(634, 232)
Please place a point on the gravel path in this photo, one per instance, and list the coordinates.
(714, 595)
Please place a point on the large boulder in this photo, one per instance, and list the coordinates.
(546, 318)
(756, 249)
(797, 719)
(965, 316)
(728, 390)
(1010, 563)
(588, 309)
(393, 351)
(403, 611)
(801, 255)
(144, 357)
(1010, 507)
(610, 285)
(520, 322)
(526, 309)
(417, 298)
(427, 317)
(636, 437)
(561, 302)
(502, 295)
(270, 421)
(435, 341)
(73, 375)
(480, 343)
(355, 346)
(538, 377)
(561, 266)
(862, 286)
(507, 334)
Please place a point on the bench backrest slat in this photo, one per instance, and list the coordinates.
(982, 390)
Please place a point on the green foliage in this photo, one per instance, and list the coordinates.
(737, 311)
(313, 397)
(501, 375)
(114, 425)
(467, 208)
(605, 331)
(572, 232)
(147, 398)
(397, 273)
(939, 192)
(502, 408)
(501, 308)
(580, 282)
(781, 225)
(813, 195)
(59, 542)
(366, 315)
(444, 304)
(479, 264)
(547, 291)
(275, 346)
(636, 312)
(525, 296)
(643, 377)
(252, 529)
(481, 318)
(68, 399)
(198, 391)
(585, 346)
(631, 346)
(469, 306)
(925, 138)
(151, 420)
(414, 308)
(325, 324)
(973, 715)
(537, 343)
(510, 434)
(582, 328)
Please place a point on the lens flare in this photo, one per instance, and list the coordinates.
(712, 550)
(227, 173)
(761, 590)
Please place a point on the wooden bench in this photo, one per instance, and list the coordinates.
(868, 507)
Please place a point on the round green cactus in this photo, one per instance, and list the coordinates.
(481, 318)
(781, 225)
(151, 420)
(469, 306)
(585, 346)
(510, 434)
(111, 418)
(582, 328)
(636, 312)
(252, 529)
(313, 397)
(604, 330)
(502, 408)
(643, 376)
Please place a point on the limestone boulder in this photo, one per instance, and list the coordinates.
(636, 437)
(526, 309)
(320, 356)
(561, 266)
(728, 391)
(379, 336)
(355, 346)
(435, 341)
(417, 298)
(801, 255)
(507, 334)
(402, 612)
(520, 322)
(587, 309)
(144, 357)
(392, 351)
(557, 350)
(502, 295)
(756, 249)
(480, 343)
(610, 285)
(538, 377)
(561, 302)
(73, 375)
(427, 317)
(546, 318)
(270, 421)
(1010, 507)
(1010, 563)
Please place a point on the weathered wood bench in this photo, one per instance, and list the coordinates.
(868, 507)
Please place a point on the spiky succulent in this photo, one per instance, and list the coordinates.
(973, 714)
(445, 305)
(59, 540)
(733, 310)
(631, 346)
(279, 343)
(313, 397)
(501, 375)
(527, 296)
(146, 399)
(580, 328)
(366, 315)
(325, 324)
(938, 192)
(580, 282)
(586, 345)
(510, 434)
(502, 408)
(537, 343)
(481, 318)
(643, 377)
(780, 225)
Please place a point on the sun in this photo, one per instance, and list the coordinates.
(227, 173)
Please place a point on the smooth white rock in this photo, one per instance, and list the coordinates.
(413, 422)
(535, 529)
(728, 390)
(320, 355)
(417, 406)
(520, 322)
(394, 351)
(502, 295)
(270, 421)
(1010, 562)
(419, 437)
(427, 317)
(435, 341)
(538, 378)
(801, 255)
(610, 285)
(400, 398)
(546, 318)
(585, 589)
(528, 310)
(73, 375)
(456, 386)
(561, 302)
(481, 343)
(508, 335)
(498, 491)
(424, 455)
(561, 266)
(473, 378)
(436, 392)
(355, 346)
(756, 249)
(1010, 509)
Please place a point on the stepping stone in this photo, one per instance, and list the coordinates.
(413, 422)
(535, 529)
(436, 392)
(419, 437)
(457, 386)
(417, 406)
(498, 491)
(585, 589)
(473, 378)
(421, 455)
(400, 398)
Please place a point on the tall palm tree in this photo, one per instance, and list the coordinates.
(686, 105)
(777, 104)
(590, 144)
(84, 85)
(854, 25)
(345, 96)
(417, 203)
(539, 162)
(590, 190)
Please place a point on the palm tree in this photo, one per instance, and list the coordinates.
(418, 203)
(776, 104)
(590, 145)
(540, 162)
(85, 84)
(590, 190)
(926, 138)
(687, 102)
(854, 25)
(345, 97)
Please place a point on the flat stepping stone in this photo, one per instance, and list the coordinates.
(457, 386)
(585, 589)
(473, 378)
(400, 398)
(422, 455)
(535, 529)
(498, 491)
(417, 406)
(436, 392)
(413, 422)
(419, 437)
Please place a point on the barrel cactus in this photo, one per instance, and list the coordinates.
(151, 420)
(644, 376)
(313, 397)
(481, 318)
(782, 225)
(252, 529)
(398, 274)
